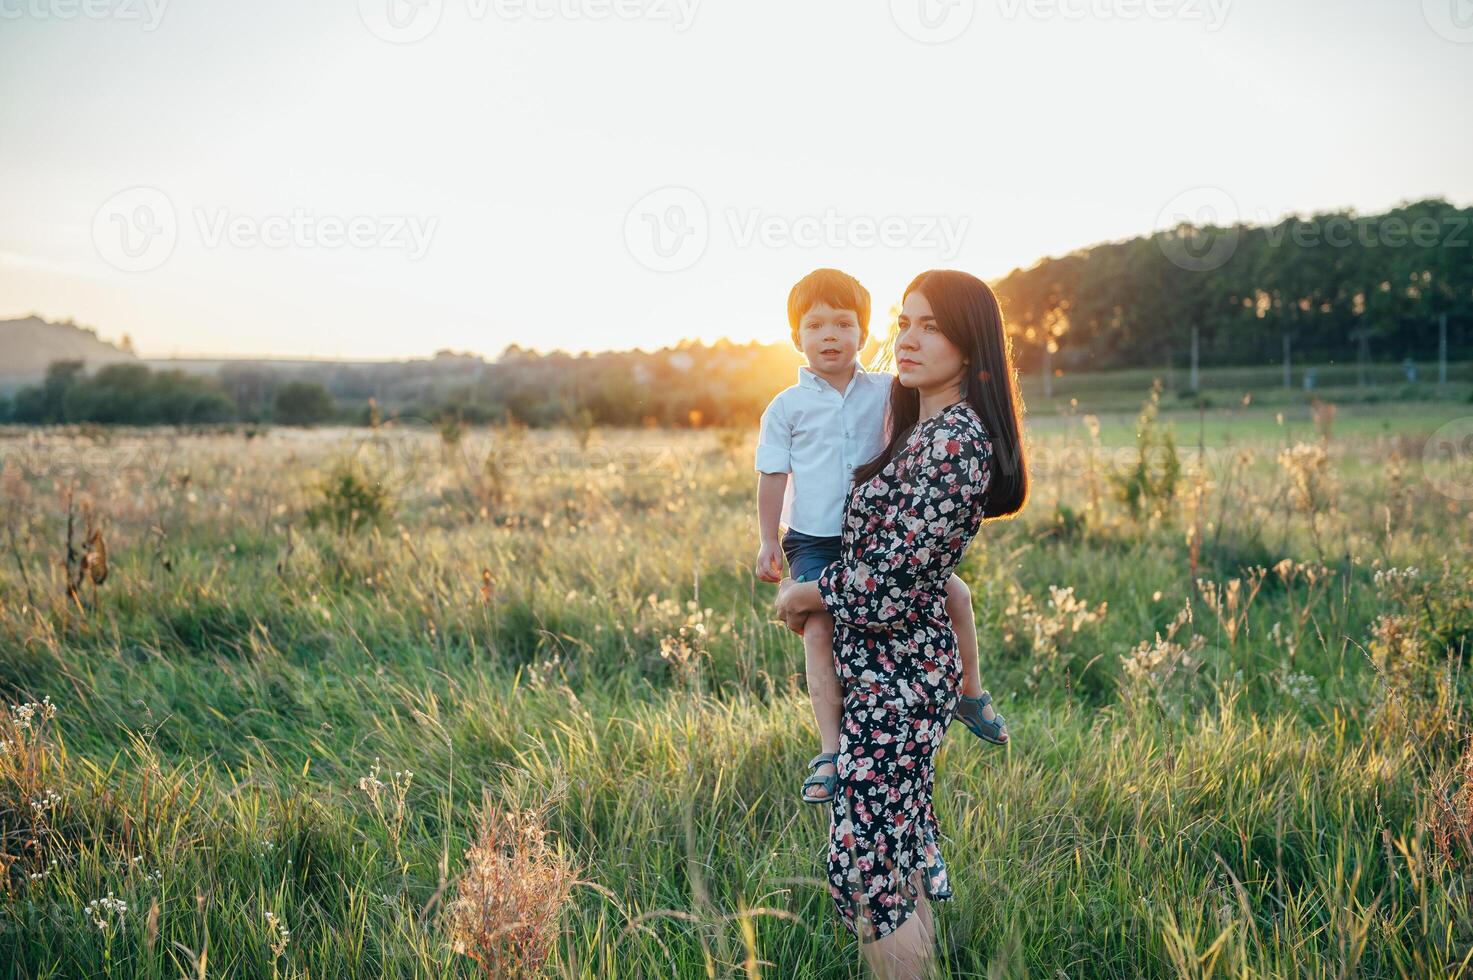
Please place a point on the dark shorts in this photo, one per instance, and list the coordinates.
(808, 554)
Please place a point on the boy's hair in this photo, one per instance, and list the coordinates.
(833, 288)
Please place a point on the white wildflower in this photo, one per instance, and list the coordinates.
(280, 935)
(107, 913)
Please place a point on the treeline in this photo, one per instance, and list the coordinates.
(132, 394)
(692, 384)
(689, 385)
(1329, 283)
(1321, 281)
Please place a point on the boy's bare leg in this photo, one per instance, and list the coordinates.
(964, 625)
(823, 688)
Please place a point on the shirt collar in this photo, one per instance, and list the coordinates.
(808, 379)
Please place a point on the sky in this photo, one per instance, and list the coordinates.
(387, 178)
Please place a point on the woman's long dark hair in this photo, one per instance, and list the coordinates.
(968, 315)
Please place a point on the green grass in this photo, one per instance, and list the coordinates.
(1119, 391)
(593, 646)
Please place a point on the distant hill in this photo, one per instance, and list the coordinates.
(1331, 287)
(27, 346)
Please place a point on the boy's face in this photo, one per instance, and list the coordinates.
(828, 337)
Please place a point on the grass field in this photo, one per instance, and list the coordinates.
(524, 709)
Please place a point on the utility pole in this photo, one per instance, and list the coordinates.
(1442, 350)
(1364, 336)
(1048, 368)
(1286, 361)
(1194, 359)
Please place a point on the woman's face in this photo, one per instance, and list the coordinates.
(925, 358)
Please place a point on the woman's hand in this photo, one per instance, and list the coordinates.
(795, 603)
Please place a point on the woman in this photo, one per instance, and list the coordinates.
(954, 458)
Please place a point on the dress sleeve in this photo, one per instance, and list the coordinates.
(774, 440)
(932, 512)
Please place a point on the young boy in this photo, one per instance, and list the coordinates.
(820, 430)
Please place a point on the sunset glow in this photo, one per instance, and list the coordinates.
(553, 176)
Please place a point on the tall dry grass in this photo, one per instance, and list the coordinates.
(280, 749)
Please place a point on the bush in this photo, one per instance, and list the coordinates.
(350, 499)
(1149, 487)
(511, 895)
(302, 403)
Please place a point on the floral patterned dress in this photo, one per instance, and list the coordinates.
(896, 657)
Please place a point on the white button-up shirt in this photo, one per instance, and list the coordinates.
(821, 436)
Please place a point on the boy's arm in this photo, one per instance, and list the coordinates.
(774, 442)
(770, 490)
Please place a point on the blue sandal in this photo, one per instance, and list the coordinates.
(828, 782)
(969, 711)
